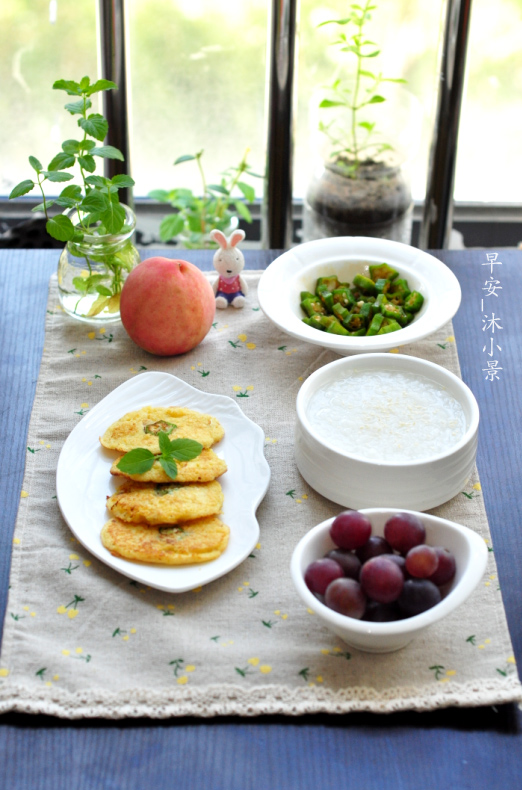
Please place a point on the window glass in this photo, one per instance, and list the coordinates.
(197, 76)
(41, 41)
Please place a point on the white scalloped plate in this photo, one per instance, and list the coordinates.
(83, 478)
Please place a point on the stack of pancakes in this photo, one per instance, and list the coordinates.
(156, 519)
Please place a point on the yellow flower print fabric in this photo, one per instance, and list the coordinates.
(81, 639)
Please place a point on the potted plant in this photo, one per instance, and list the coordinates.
(365, 122)
(217, 208)
(95, 226)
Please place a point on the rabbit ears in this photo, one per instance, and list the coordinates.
(224, 243)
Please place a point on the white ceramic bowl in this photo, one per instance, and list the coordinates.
(470, 553)
(355, 482)
(298, 269)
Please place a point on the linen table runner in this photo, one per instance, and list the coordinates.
(82, 640)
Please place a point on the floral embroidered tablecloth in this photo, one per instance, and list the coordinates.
(82, 640)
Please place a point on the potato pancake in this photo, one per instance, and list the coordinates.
(206, 467)
(165, 503)
(141, 428)
(201, 540)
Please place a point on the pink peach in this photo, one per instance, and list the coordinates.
(167, 306)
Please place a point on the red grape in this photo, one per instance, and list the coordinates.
(348, 561)
(417, 596)
(421, 561)
(381, 579)
(374, 546)
(404, 531)
(320, 573)
(382, 612)
(350, 529)
(346, 597)
(446, 568)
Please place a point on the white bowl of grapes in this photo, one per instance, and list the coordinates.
(377, 577)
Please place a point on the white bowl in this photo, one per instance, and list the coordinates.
(355, 482)
(470, 553)
(298, 269)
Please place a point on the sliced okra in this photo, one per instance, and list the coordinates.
(395, 312)
(400, 286)
(382, 271)
(161, 426)
(343, 296)
(388, 325)
(330, 281)
(375, 324)
(313, 306)
(336, 328)
(341, 312)
(382, 286)
(413, 302)
(314, 321)
(364, 284)
(307, 295)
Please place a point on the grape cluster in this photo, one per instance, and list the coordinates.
(376, 578)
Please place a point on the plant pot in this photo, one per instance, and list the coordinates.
(91, 272)
(376, 202)
(363, 189)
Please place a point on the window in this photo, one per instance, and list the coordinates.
(197, 75)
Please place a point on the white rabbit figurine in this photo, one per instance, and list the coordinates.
(230, 287)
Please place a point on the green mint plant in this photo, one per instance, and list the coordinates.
(140, 460)
(96, 200)
(196, 216)
(356, 143)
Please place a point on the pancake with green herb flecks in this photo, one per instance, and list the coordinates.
(141, 428)
(165, 503)
(201, 540)
(206, 467)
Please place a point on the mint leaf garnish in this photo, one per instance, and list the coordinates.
(140, 460)
(169, 467)
(136, 462)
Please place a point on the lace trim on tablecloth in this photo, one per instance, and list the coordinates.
(270, 700)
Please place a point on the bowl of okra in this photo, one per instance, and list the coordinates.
(355, 295)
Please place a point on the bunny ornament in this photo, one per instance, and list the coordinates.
(230, 287)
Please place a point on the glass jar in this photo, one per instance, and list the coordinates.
(91, 272)
(377, 202)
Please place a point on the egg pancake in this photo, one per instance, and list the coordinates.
(202, 469)
(165, 503)
(201, 540)
(141, 428)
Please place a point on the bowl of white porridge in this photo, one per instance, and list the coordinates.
(386, 430)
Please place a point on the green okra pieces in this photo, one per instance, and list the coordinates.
(343, 296)
(313, 306)
(330, 282)
(382, 271)
(413, 302)
(395, 312)
(388, 325)
(365, 284)
(374, 305)
(375, 324)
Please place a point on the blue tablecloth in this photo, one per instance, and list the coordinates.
(453, 748)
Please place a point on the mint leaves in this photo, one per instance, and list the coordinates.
(140, 460)
(96, 201)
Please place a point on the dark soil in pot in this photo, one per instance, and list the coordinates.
(377, 202)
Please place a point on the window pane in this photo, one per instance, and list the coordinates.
(197, 81)
(489, 160)
(41, 41)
